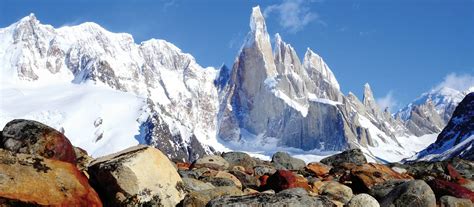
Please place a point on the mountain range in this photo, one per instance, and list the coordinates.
(106, 93)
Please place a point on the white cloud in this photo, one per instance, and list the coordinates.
(293, 15)
(460, 82)
(388, 101)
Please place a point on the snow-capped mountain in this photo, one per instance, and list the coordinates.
(457, 138)
(176, 98)
(432, 110)
(107, 93)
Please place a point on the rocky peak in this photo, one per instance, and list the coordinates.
(369, 100)
(315, 66)
(286, 59)
(257, 22)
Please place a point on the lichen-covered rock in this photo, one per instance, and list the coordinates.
(35, 138)
(201, 198)
(260, 170)
(283, 161)
(139, 175)
(82, 159)
(196, 185)
(350, 156)
(239, 159)
(211, 161)
(379, 191)
(450, 201)
(34, 180)
(336, 191)
(414, 193)
(248, 181)
(292, 197)
(363, 200)
(226, 175)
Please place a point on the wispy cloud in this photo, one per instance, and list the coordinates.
(388, 101)
(460, 82)
(293, 15)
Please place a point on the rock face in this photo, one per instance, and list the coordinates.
(351, 156)
(411, 193)
(457, 138)
(32, 137)
(34, 180)
(450, 201)
(137, 176)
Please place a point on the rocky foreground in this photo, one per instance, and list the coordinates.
(40, 167)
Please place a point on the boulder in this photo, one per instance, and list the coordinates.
(211, 161)
(318, 169)
(218, 182)
(350, 156)
(139, 175)
(260, 170)
(412, 193)
(450, 201)
(196, 185)
(336, 191)
(34, 180)
(226, 175)
(35, 138)
(82, 159)
(442, 187)
(183, 165)
(281, 180)
(201, 198)
(363, 200)
(379, 191)
(370, 174)
(292, 197)
(247, 180)
(283, 161)
(239, 159)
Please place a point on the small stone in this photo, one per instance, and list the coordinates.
(264, 170)
(201, 198)
(240, 159)
(247, 180)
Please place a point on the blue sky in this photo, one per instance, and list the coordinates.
(402, 48)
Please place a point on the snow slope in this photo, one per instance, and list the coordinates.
(95, 118)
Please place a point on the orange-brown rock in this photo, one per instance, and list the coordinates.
(316, 186)
(302, 182)
(371, 174)
(183, 165)
(29, 179)
(318, 169)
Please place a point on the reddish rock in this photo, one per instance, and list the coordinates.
(371, 174)
(454, 174)
(263, 180)
(183, 165)
(281, 180)
(318, 169)
(35, 138)
(441, 188)
(35, 180)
